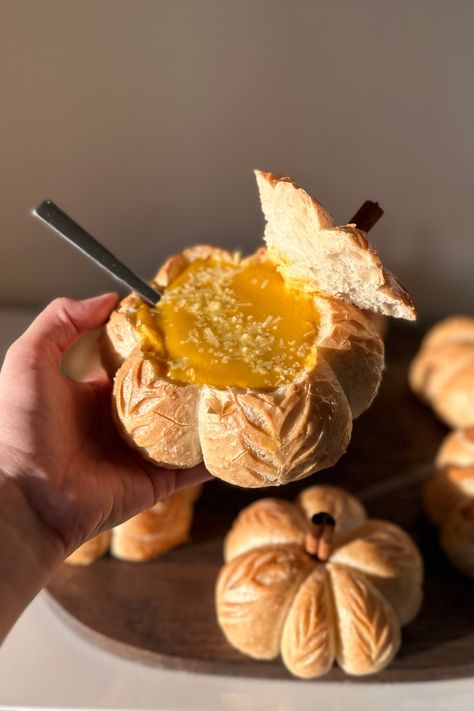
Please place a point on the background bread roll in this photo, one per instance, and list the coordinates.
(147, 535)
(273, 597)
(442, 372)
(449, 498)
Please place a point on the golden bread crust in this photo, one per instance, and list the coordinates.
(147, 535)
(266, 522)
(308, 642)
(157, 416)
(442, 372)
(379, 322)
(352, 347)
(347, 511)
(249, 437)
(177, 263)
(155, 531)
(252, 437)
(349, 609)
(368, 632)
(391, 561)
(253, 594)
(118, 338)
(448, 498)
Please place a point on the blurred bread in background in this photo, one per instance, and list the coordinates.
(147, 535)
(442, 372)
(449, 498)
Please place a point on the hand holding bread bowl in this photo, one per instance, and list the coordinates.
(256, 366)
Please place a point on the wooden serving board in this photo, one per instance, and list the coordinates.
(162, 613)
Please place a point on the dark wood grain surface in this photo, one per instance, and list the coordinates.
(162, 612)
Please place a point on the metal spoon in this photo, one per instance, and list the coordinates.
(61, 223)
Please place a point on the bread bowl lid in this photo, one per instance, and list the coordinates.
(310, 250)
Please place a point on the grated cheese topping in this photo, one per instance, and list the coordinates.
(230, 323)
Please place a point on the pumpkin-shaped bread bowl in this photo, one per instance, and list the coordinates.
(442, 372)
(255, 366)
(449, 498)
(145, 536)
(346, 603)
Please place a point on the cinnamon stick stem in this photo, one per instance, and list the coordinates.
(366, 216)
(318, 540)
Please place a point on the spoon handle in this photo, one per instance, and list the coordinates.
(55, 218)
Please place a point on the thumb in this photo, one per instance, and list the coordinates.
(64, 320)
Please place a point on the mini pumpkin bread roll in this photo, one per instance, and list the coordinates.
(442, 372)
(256, 366)
(147, 535)
(317, 585)
(155, 531)
(449, 498)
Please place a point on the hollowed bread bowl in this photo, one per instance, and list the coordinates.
(256, 366)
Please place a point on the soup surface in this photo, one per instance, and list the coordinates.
(230, 323)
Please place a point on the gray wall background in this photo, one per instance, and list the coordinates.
(145, 118)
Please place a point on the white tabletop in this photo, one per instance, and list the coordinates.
(44, 664)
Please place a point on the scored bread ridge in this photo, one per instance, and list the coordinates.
(253, 595)
(388, 557)
(257, 438)
(381, 550)
(308, 637)
(157, 416)
(310, 250)
(368, 631)
(248, 437)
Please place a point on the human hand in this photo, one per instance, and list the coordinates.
(58, 442)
